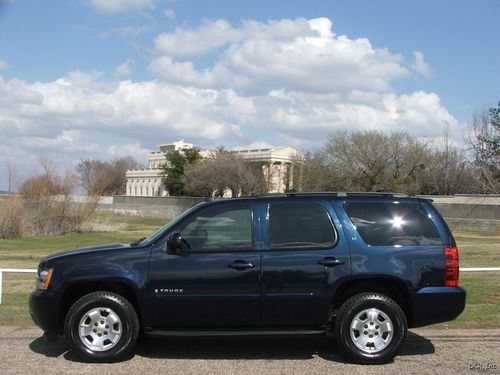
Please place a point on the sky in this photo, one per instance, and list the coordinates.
(102, 79)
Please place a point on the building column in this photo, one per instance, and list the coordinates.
(278, 176)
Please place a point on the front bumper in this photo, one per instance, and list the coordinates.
(44, 310)
(437, 304)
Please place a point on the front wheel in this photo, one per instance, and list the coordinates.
(102, 327)
(370, 328)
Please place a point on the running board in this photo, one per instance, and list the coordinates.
(220, 333)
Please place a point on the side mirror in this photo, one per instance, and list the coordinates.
(173, 244)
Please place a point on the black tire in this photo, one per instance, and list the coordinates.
(380, 312)
(124, 328)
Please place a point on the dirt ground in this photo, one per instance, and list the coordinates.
(427, 350)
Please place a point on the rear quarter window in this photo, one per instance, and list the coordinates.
(392, 224)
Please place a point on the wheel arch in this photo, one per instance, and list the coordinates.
(77, 290)
(392, 287)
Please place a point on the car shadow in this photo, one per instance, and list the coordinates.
(232, 348)
(52, 349)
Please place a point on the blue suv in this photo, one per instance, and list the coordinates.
(362, 267)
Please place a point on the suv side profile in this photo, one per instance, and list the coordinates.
(363, 267)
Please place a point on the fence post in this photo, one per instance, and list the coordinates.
(1, 282)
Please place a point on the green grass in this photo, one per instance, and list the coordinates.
(476, 250)
(26, 252)
(482, 307)
(14, 307)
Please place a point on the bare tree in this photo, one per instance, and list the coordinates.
(224, 171)
(372, 160)
(311, 172)
(447, 169)
(90, 172)
(48, 165)
(48, 206)
(199, 180)
(12, 175)
(484, 139)
(105, 178)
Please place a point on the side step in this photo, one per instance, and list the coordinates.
(228, 332)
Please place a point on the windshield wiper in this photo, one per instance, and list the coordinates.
(135, 243)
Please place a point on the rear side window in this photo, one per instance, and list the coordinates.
(300, 225)
(393, 224)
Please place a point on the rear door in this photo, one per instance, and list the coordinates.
(304, 255)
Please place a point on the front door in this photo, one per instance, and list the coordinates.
(303, 258)
(215, 281)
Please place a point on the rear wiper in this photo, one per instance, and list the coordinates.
(135, 243)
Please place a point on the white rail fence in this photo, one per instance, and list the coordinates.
(12, 270)
(29, 270)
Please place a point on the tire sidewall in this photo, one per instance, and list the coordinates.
(81, 307)
(399, 323)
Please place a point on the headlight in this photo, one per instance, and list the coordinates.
(43, 278)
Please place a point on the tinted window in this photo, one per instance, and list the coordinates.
(223, 228)
(300, 225)
(390, 224)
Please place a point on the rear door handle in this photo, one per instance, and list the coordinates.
(330, 262)
(240, 265)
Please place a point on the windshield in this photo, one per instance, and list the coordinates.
(158, 233)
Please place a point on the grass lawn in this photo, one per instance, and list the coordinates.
(476, 250)
(26, 252)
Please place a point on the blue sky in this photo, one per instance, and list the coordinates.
(102, 79)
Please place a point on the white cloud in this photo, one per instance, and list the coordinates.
(3, 64)
(189, 42)
(212, 34)
(298, 55)
(121, 6)
(130, 149)
(169, 13)
(124, 69)
(143, 110)
(420, 66)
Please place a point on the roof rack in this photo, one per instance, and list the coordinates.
(292, 193)
(348, 193)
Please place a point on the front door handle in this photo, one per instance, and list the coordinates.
(240, 265)
(330, 262)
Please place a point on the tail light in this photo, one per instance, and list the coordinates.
(451, 269)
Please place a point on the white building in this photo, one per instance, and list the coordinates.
(276, 163)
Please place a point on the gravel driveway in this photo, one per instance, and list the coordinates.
(426, 351)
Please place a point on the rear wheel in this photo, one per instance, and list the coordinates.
(102, 327)
(370, 328)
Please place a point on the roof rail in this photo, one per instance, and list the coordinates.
(266, 195)
(382, 193)
(347, 193)
(293, 193)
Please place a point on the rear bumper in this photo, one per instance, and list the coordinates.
(437, 304)
(44, 310)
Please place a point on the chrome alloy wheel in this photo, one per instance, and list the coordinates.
(371, 330)
(100, 329)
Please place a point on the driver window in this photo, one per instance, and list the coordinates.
(219, 229)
